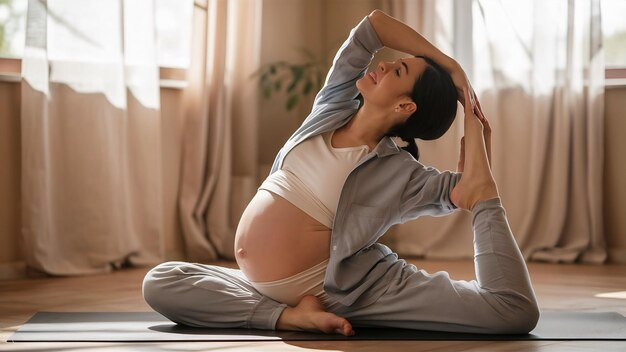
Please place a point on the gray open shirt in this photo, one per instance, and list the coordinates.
(388, 186)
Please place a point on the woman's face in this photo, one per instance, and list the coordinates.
(391, 83)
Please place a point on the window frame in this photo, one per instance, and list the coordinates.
(172, 78)
(615, 73)
(10, 66)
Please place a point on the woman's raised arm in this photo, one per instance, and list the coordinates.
(396, 35)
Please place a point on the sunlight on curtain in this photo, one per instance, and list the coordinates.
(503, 42)
(540, 74)
(91, 172)
(538, 70)
(35, 61)
(220, 168)
(95, 46)
(140, 51)
(173, 25)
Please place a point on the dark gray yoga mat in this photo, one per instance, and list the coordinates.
(151, 326)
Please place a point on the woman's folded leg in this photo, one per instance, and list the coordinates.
(208, 296)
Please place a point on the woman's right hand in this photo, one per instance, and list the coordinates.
(486, 129)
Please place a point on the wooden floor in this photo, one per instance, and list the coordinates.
(558, 287)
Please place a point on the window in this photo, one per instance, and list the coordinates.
(519, 14)
(614, 30)
(12, 27)
(173, 22)
(173, 19)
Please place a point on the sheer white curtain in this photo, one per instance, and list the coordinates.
(219, 162)
(91, 137)
(537, 67)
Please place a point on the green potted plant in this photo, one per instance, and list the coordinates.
(297, 80)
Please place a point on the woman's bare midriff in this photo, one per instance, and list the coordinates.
(275, 239)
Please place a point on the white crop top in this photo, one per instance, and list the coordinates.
(313, 174)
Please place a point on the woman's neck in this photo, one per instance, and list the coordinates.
(368, 126)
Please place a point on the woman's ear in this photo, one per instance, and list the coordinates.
(406, 108)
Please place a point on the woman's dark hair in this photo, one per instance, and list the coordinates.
(435, 95)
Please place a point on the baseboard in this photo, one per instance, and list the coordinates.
(14, 270)
(617, 256)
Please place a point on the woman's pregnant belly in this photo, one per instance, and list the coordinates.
(276, 240)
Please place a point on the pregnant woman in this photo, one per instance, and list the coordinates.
(306, 244)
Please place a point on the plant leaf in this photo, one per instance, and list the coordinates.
(263, 80)
(308, 85)
(297, 71)
(267, 92)
(291, 102)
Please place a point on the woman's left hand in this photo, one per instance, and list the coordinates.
(462, 83)
(478, 111)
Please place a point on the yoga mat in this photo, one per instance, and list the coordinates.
(151, 327)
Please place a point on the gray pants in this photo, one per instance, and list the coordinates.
(500, 300)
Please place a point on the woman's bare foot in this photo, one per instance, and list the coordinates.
(476, 182)
(309, 315)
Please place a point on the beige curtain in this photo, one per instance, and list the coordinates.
(219, 165)
(537, 67)
(90, 123)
